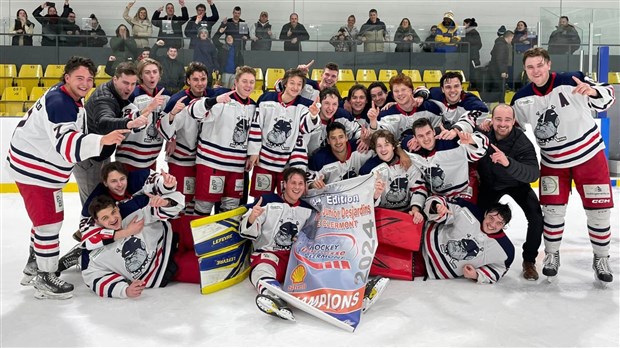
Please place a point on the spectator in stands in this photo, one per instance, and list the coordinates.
(472, 37)
(205, 51)
(173, 71)
(405, 36)
(564, 39)
(22, 29)
(146, 53)
(261, 34)
(293, 33)
(373, 33)
(229, 57)
(429, 43)
(200, 20)
(50, 23)
(70, 32)
(236, 29)
(447, 37)
(501, 62)
(170, 25)
(523, 39)
(123, 49)
(96, 36)
(346, 39)
(141, 25)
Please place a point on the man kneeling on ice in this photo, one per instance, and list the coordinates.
(272, 223)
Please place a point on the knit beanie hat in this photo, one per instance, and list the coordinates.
(501, 30)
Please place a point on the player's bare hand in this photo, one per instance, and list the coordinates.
(305, 67)
(170, 182)
(418, 218)
(373, 115)
(134, 227)
(583, 88)
(413, 145)
(171, 145)
(379, 188)
(319, 183)
(251, 162)
(315, 108)
(224, 98)
(157, 201)
(469, 272)
(135, 288)
(257, 211)
(485, 126)
(115, 137)
(466, 138)
(446, 134)
(499, 157)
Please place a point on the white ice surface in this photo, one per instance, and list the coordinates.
(573, 311)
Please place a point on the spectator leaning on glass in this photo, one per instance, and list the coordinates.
(50, 23)
(141, 25)
(95, 37)
(170, 25)
(199, 21)
(23, 29)
(261, 34)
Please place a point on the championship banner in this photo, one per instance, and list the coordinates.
(330, 261)
(223, 256)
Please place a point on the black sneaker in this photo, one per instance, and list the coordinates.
(275, 306)
(602, 272)
(30, 270)
(48, 285)
(69, 259)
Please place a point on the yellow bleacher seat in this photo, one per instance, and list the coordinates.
(256, 94)
(366, 76)
(101, 76)
(89, 94)
(29, 76)
(317, 74)
(52, 76)
(346, 80)
(465, 83)
(415, 76)
(260, 79)
(508, 96)
(13, 99)
(386, 75)
(35, 94)
(271, 76)
(7, 73)
(431, 78)
(476, 93)
(614, 77)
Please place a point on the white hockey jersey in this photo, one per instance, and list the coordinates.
(562, 120)
(457, 240)
(145, 255)
(223, 139)
(50, 140)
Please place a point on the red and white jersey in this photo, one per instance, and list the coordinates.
(183, 130)
(445, 169)
(318, 137)
(143, 256)
(458, 240)
(562, 120)
(275, 129)
(50, 140)
(223, 139)
(141, 148)
(398, 121)
(401, 185)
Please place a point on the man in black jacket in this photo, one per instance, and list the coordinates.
(501, 63)
(293, 33)
(107, 109)
(508, 168)
(170, 25)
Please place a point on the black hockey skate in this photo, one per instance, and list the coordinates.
(30, 270)
(551, 264)
(374, 289)
(602, 272)
(275, 306)
(69, 259)
(48, 285)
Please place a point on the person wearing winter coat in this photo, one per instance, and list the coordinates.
(472, 37)
(405, 36)
(22, 29)
(565, 39)
(373, 33)
(205, 51)
(95, 37)
(50, 23)
(141, 26)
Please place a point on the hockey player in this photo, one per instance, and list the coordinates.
(508, 169)
(453, 101)
(444, 163)
(559, 108)
(221, 157)
(458, 243)
(281, 117)
(272, 223)
(44, 148)
(140, 256)
(329, 77)
(141, 147)
(404, 183)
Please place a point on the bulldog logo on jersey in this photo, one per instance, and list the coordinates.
(240, 133)
(352, 173)
(286, 233)
(398, 191)
(546, 128)
(461, 250)
(435, 176)
(135, 255)
(280, 132)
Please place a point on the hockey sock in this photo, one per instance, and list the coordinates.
(229, 203)
(553, 228)
(47, 246)
(599, 230)
(203, 208)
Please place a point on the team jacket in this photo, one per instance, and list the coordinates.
(223, 139)
(275, 129)
(456, 239)
(141, 147)
(145, 255)
(402, 186)
(453, 113)
(326, 165)
(139, 183)
(562, 121)
(183, 129)
(399, 121)
(50, 140)
(445, 169)
(275, 228)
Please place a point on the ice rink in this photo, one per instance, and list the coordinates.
(573, 311)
